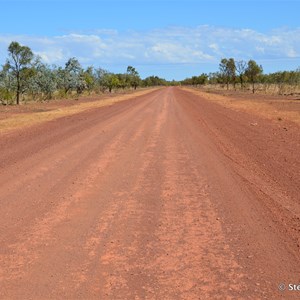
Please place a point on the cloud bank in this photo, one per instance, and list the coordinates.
(174, 45)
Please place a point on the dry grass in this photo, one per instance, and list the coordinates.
(31, 118)
(261, 89)
(262, 108)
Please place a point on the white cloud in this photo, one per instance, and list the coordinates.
(260, 49)
(174, 45)
(51, 55)
(292, 53)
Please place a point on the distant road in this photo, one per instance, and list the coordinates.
(165, 196)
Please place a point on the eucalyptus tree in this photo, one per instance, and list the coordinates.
(228, 70)
(112, 81)
(7, 85)
(232, 70)
(72, 77)
(253, 72)
(100, 79)
(133, 77)
(224, 71)
(19, 64)
(44, 81)
(215, 78)
(123, 82)
(196, 80)
(154, 81)
(106, 80)
(89, 76)
(241, 67)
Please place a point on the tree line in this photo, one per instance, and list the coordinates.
(25, 76)
(247, 74)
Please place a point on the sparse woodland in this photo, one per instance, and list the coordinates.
(248, 76)
(24, 77)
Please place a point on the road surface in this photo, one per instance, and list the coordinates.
(165, 196)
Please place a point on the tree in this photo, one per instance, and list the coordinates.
(215, 78)
(7, 85)
(232, 70)
(123, 82)
(203, 78)
(241, 67)
(228, 70)
(196, 80)
(133, 77)
(44, 80)
(112, 81)
(89, 78)
(253, 71)
(107, 80)
(73, 76)
(19, 61)
(154, 81)
(101, 79)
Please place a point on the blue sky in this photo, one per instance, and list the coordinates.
(172, 39)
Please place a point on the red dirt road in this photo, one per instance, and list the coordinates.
(165, 196)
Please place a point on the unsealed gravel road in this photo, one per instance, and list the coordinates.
(165, 196)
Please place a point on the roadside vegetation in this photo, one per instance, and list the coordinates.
(24, 77)
(248, 76)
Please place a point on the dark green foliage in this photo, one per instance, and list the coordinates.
(19, 64)
(253, 72)
(133, 76)
(196, 80)
(154, 81)
(228, 71)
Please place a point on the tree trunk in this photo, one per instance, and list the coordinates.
(18, 88)
(253, 90)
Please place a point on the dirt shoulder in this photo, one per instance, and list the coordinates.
(13, 117)
(166, 196)
(263, 154)
(277, 108)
